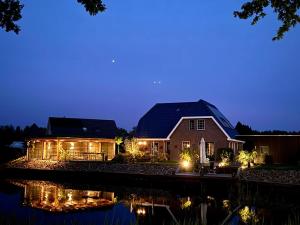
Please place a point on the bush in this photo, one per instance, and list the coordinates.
(224, 151)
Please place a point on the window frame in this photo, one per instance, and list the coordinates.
(198, 124)
(193, 124)
(183, 143)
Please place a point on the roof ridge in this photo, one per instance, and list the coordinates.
(74, 118)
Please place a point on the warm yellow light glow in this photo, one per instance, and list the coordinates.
(247, 215)
(69, 196)
(188, 145)
(142, 143)
(186, 164)
(141, 211)
(49, 145)
(72, 145)
(187, 203)
(223, 164)
(226, 204)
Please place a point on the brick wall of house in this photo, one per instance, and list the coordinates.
(212, 133)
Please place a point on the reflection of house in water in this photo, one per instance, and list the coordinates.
(160, 210)
(56, 198)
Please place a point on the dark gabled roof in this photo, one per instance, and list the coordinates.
(88, 128)
(159, 121)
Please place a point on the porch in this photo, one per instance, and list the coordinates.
(70, 149)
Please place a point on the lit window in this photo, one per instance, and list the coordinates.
(186, 145)
(192, 125)
(200, 124)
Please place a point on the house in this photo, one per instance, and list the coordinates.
(74, 139)
(168, 128)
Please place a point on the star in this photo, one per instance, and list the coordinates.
(113, 60)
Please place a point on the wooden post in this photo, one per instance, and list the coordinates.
(114, 149)
(57, 149)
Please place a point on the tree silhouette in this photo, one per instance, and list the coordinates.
(10, 12)
(286, 11)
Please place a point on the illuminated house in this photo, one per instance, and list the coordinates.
(168, 128)
(74, 139)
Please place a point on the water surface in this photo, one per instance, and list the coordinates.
(48, 202)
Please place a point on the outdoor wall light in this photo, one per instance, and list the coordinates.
(186, 164)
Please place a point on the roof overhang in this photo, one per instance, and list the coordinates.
(153, 139)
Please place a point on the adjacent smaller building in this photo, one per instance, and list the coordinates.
(74, 139)
(283, 149)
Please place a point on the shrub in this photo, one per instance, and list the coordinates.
(224, 152)
(246, 157)
(133, 148)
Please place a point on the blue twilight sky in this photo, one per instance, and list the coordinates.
(118, 64)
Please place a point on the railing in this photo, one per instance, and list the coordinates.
(86, 156)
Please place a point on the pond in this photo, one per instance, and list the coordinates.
(47, 202)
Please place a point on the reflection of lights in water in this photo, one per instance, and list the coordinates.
(247, 215)
(210, 198)
(226, 204)
(69, 196)
(141, 211)
(187, 203)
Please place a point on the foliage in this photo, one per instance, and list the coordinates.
(246, 157)
(10, 12)
(63, 153)
(189, 155)
(7, 154)
(244, 129)
(185, 155)
(121, 132)
(286, 13)
(133, 148)
(223, 152)
(118, 140)
(8, 133)
(93, 6)
(226, 157)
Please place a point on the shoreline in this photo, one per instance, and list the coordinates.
(154, 173)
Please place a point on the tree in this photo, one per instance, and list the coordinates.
(286, 11)
(10, 12)
(119, 140)
(244, 129)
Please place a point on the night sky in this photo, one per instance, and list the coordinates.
(118, 64)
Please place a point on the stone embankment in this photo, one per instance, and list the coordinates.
(105, 167)
(272, 176)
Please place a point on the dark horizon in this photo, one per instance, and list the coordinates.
(118, 64)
